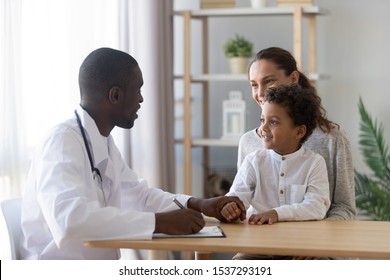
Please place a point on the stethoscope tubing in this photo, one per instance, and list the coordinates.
(95, 171)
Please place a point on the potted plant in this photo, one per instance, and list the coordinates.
(373, 191)
(238, 50)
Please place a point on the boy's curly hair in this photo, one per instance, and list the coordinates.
(303, 105)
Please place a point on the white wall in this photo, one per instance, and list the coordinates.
(353, 49)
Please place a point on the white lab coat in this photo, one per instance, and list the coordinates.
(63, 205)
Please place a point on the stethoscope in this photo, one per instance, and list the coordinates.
(95, 171)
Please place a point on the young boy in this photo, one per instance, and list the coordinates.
(284, 181)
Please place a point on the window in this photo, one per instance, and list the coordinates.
(43, 43)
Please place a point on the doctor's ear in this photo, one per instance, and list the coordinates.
(115, 95)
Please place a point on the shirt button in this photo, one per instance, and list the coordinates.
(282, 174)
(281, 192)
(283, 158)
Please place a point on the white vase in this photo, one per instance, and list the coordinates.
(238, 65)
(256, 4)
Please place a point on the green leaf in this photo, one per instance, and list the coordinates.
(372, 198)
(373, 191)
(372, 144)
(238, 47)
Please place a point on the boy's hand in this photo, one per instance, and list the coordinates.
(212, 207)
(231, 212)
(268, 217)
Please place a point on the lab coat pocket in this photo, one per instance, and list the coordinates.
(296, 193)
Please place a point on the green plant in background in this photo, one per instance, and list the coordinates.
(373, 191)
(238, 47)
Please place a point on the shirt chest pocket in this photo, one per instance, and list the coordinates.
(295, 193)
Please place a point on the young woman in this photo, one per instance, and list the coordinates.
(275, 66)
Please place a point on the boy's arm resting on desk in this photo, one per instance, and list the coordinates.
(212, 207)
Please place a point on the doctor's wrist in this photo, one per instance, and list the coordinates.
(195, 203)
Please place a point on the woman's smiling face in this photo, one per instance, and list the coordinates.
(264, 74)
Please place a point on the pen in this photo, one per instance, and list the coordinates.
(178, 203)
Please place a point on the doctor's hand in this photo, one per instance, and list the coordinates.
(182, 221)
(212, 207)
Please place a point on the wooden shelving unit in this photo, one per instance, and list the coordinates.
(297, 13)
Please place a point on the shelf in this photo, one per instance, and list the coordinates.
(306, 10)
(212, 142)
(216, 142)
(216, 77)
(297, 13)
(239, 77)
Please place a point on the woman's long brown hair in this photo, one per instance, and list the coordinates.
(285, 61)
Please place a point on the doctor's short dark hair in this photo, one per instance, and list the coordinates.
(103, 69)
(303, 105)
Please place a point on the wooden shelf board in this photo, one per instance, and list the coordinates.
(233, 142)
(228, 12)
(239, 77)
(212, 142)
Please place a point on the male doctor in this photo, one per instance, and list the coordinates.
(80, 188)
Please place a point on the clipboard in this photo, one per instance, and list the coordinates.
(210, 231)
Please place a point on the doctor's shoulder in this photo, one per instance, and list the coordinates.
(62, 134)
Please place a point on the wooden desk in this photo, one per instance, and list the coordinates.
(344, 239)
